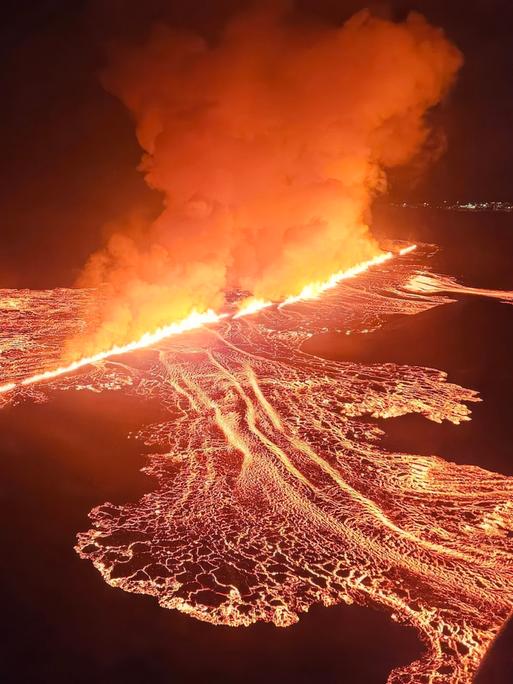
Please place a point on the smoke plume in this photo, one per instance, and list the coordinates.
(269, 145)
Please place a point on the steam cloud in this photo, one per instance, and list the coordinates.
(268, 146)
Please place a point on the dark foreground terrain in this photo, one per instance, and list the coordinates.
(62, 623)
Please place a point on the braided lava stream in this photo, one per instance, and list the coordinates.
(274, 490)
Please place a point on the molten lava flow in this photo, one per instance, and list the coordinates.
(194, 320)
(427, 283)
(274, 490)
(314, 290)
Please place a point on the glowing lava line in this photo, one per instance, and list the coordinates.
(197, 320)
(193, 321)
(251, 306)
(314, 290)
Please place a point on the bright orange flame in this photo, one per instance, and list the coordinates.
(193, 321)
(252, 305)
(197, 320)
(314, 290)
(407, 250)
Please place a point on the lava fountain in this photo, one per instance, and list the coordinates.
(193, 321)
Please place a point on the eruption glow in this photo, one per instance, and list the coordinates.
(314, 290)
(427, 283)
(268, 145)
(251, 306)
(275, 491)
(193, 321)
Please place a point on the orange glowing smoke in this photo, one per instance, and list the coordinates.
(268, 145)
(193, 321)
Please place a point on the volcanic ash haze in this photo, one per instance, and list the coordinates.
(268, 144)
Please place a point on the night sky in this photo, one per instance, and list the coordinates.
(69, 153)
